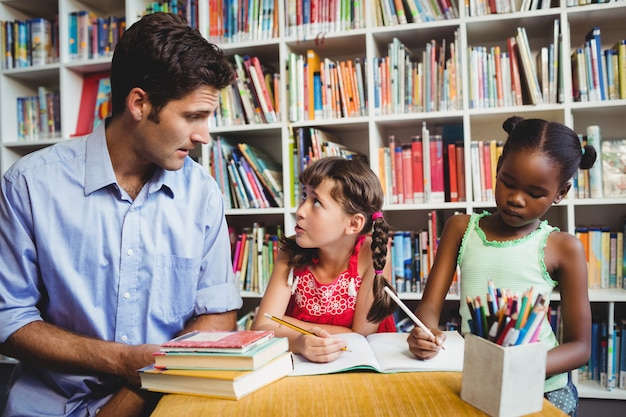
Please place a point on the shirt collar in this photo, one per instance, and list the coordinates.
(99, 170)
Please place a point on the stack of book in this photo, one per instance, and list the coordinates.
(218, 364)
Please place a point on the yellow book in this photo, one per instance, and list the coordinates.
(595, 257)
(620, 47)
(227, 384)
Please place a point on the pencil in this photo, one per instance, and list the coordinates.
(409, 313)
(294, 327)
(287, 324)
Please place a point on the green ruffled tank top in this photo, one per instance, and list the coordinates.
(516, 265)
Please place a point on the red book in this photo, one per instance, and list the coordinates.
(515, 75)
(487, 168)
(437, 190)
(460, 170)
(418, 169)
(407, 174)
(255, 72)
(88, 98)
(235, 342)
(452, 175)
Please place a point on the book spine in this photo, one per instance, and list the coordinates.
(417, 169)
(595, 172)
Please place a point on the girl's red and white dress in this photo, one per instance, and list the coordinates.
(332, 303)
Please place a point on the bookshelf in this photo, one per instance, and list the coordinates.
(365, 133)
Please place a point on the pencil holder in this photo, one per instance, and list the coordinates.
(503, 381)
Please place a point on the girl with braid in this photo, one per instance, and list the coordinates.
(328, 276)
(518, 250)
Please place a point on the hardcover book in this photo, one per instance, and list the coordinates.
(197, 341)
(252, 359)
(231, 385)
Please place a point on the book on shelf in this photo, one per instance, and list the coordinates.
(384, 353)
(217, 341)
(266, 169)
(252, 359)
(620, 49)
(227, 384)
(528, 66)
(89, 101)
(613, 162)
(593, 38)
(594, 138)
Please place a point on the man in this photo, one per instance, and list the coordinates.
(117, 241)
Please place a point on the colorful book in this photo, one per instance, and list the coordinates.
(252, 359)
(227, 384)
(267, 170)
(613, 168)
(234, 342)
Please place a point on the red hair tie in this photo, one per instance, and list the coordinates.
(377, 215)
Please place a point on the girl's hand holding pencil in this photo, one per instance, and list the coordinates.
(320, 348)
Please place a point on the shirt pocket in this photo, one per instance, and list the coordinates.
(175, 286)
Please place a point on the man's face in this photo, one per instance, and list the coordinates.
(183, 123)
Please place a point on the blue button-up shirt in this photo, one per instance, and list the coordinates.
(79, 253)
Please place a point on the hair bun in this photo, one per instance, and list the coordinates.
(510, 123)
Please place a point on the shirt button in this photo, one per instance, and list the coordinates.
(127, 295)
(129, 252)
(124, 338)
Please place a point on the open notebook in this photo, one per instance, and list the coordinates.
(385, 353)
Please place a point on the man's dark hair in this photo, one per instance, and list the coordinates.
(165, 57)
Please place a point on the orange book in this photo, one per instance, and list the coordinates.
(312, 67)
(347, 83)
(345, 106)
(498, 74)
(493, 153)
(354, 88)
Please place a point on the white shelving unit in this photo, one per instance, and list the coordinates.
(367, 133)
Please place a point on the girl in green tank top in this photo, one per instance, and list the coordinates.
(517, 250)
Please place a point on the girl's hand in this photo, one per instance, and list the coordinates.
(422, 345)
(319, 347)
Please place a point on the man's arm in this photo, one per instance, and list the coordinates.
(209, 322)
(46, 345)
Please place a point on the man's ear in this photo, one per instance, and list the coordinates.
(562, 192)
(357, 222)
(136, 101)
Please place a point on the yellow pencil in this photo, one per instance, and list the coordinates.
(293, 326)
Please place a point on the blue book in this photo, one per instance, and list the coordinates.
(622, 356)
(594, 359)
(603, 354)
(594, 38)
(397, 256)
(407, 260)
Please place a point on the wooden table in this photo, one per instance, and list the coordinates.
(343, 395)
